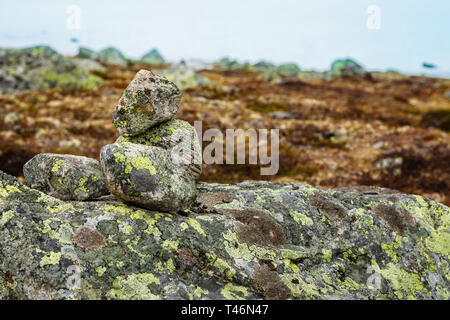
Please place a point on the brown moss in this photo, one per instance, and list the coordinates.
(88, 238)
(439, 119)
(257, 227)
(187, 258)
(267, 107)
(398, 220)
(332, 210)
(268, 281)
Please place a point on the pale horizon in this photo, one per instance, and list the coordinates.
(310, 34)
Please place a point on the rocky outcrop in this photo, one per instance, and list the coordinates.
(241, 241)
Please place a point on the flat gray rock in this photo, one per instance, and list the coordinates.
(148, 100)
(65, 177)
(146, 176)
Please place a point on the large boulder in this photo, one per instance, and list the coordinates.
(41, 67)
(176, 136)
(241, 241)
(66, 177)
(147, 176)
(148, 100)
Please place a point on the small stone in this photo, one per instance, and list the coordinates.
(177, 136)
(65, 177)
(147, 101)
(147, 176)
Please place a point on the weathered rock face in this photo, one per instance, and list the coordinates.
(148, 100)
(147, 176)
(175, 136)
(66, 177)
(41, 67)
(243, 241)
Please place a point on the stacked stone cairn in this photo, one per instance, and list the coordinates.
(153, 164)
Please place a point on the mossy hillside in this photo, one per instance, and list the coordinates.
(125, 252)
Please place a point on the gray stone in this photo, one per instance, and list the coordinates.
(175, 136)
(147, 176)
(147, 101)
(66, 177)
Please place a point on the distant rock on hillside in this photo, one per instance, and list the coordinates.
(112, 55)
(108, 55)
(289, 69)
(231, 64)
(89, 65)
(41, 67)
(346, 68)
(274, 73)
(185, 76)
(153, 57)
(87, 53)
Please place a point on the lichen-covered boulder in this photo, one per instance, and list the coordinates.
(153, 57)
(147, 176)
(41, 67)
(241, 241)
(66, 177)
(148, 100)
(177, 136)
(346, 68)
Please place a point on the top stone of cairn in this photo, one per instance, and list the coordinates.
(148, 100)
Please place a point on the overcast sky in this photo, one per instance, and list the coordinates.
(310, 33)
